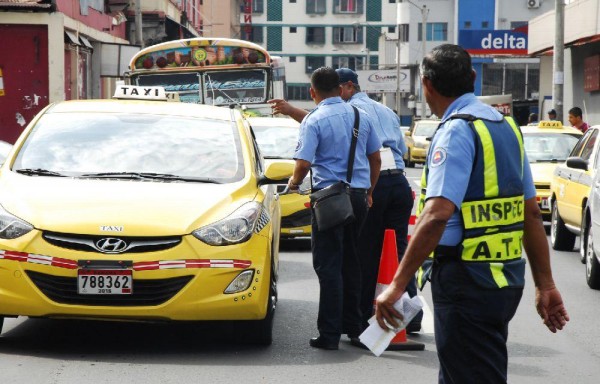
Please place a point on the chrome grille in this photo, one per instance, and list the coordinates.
(88, 243)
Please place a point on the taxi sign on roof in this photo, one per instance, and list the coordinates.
(140, 93)
(550, 124)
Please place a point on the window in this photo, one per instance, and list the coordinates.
(315, 6)
(467, 24)
(391, 29)
(435, 32)
(485, 24)
(315, 35)
(314, 62)
(589, 146)
(347, 35)
(292, 1)
(347, 6)
(298, 91)
(257, 6)
(254, 34)
(353, 63)
(292, 29)
(518, 24)
(404, 28)
(292, 59)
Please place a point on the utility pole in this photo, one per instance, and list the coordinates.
(138, 23)
(399, 41)
(424, 14)
(558, 59)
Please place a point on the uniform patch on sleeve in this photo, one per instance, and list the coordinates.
(298, 145)
(438, 157)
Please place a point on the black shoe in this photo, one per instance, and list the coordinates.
(357, 343)
(318, 342)
(413, 327)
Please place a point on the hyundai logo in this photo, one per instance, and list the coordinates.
(111, 245)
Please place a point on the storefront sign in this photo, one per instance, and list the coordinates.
(498, 42)
(384, 80)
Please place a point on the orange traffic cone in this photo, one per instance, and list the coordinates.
(387, 268)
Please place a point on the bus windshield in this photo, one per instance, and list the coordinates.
(211, 71)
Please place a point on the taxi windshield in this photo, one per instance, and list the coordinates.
(276, 142)
(121, 144)
(548, 147)
(425, 129)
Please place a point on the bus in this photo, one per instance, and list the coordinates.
(212, 71)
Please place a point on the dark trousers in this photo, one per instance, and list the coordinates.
(471, 325)
(392, 206)
(335, 260)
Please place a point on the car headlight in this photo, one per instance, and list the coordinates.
(11, 226)
(235, 228)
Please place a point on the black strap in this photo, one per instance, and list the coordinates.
(353, 144)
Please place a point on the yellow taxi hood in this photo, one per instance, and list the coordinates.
(138, 208)
(542, 172)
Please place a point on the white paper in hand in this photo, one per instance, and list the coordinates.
(378, 339)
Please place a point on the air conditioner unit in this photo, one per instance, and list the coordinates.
(533, 4)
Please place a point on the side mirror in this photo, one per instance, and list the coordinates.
(577, 163)
(277, 172)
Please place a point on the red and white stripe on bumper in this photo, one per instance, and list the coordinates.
(138, 266)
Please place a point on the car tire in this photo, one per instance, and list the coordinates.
(1, 324)
(585, 228)
(592, 267)
(560, 237)
(409, 162)
(259, 332)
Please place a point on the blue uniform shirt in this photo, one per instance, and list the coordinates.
(387, 125)
(324, 141)
(449, 176)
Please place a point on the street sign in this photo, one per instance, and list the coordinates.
(383, 80)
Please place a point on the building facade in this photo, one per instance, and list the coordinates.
(364, 35)
(581, 77)
(53, 50)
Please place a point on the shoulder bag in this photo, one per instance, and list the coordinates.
(332, 206)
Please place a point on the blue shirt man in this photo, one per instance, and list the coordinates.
(324, 145)
(392, 196)
(454, 142)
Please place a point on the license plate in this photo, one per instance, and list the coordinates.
(545, 203)
(104, 282)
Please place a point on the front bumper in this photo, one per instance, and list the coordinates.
(185, 282)
(295, 215)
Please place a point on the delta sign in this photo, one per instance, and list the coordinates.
(494, 42)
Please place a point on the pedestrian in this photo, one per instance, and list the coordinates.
(392, 196)
(576, 119)
(477, 203)
(324, 135)
(552, 115)
(533, 119)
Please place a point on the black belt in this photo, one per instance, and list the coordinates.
(447, 252)
(390, 172)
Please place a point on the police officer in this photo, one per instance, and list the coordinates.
(392, 196)
(477, 204)
(323, 145)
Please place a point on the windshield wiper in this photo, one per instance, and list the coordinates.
(38, 172)
(148, 175)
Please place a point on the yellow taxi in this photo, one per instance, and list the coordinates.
(417, 141)
(140, 210)
(547, 145)
(277, 139)
(571, 185)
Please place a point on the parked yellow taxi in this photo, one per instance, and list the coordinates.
(417, 141)
(140, 210)
(547, 145)
(571, 185)
(277, 139)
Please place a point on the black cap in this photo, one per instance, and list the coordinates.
(552, 112)
(346, 75)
